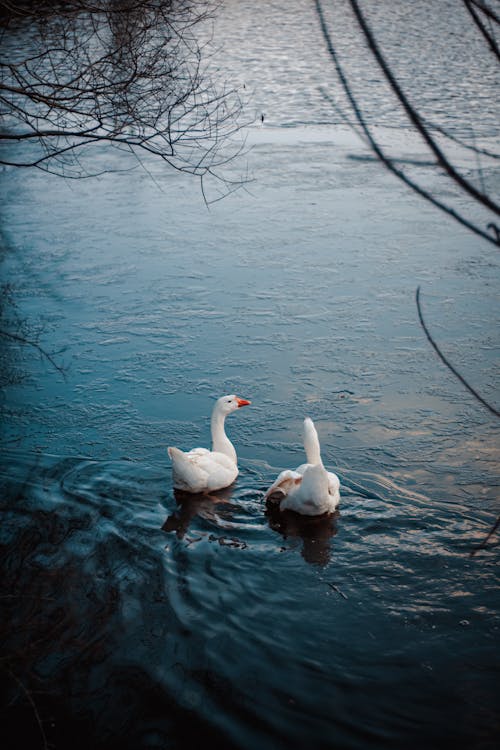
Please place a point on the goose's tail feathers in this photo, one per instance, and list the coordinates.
(175, 453)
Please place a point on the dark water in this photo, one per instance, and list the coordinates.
(152, 624)
(133, 617)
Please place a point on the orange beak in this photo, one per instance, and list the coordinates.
(242, 402)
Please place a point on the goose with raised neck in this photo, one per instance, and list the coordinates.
(201, 470)
(309, 489)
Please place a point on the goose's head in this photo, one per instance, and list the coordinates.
(227, 404)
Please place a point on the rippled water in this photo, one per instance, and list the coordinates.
(136, 617)
(276, 51)
(132, 614)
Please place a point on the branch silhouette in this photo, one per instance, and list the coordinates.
(25, 341)
(129, 74)
(491, 236)
(415, 118)
(472, 390)
(486, 539)
(471, 6)
(424, 127)
(448, 364)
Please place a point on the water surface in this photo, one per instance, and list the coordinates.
(139, 618)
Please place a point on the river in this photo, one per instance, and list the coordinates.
(138, 618)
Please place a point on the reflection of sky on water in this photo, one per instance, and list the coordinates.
(439, 57)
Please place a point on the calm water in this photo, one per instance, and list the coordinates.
(137, 618)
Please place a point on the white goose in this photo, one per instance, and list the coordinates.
(310, 489)
(201, 470)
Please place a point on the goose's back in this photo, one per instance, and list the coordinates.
(201, 470)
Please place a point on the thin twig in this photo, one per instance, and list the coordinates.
(474, 393)
(482, 28)
(33, 705)
(23, 340)
(490, 533)
(448, 364)
(336, 588)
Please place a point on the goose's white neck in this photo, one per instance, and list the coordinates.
(220, 441)
(311, 443)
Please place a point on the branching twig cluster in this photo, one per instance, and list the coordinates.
(123, 72)
(15, 333)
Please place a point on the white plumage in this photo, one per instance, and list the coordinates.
(203, 470)
(309, 489)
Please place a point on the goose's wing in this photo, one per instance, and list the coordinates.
(200, 470)
(195, 452)
(282, 485)
(310, 496)
(187, 473)
(301, 469)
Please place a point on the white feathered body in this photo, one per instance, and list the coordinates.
(201, 470)
(309, 489)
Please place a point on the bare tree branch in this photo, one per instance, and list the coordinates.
(24, 341)
(486, 539)
(124, 72)
(424, 128)
(471, 390)
(415, 117)
(440, 354)
(469, 4)
(377, 149)
(33, 705)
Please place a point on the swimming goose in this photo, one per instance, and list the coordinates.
(309, 489)
(203, 470)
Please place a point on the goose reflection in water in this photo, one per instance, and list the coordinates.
(316, 532)
(189, 505)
